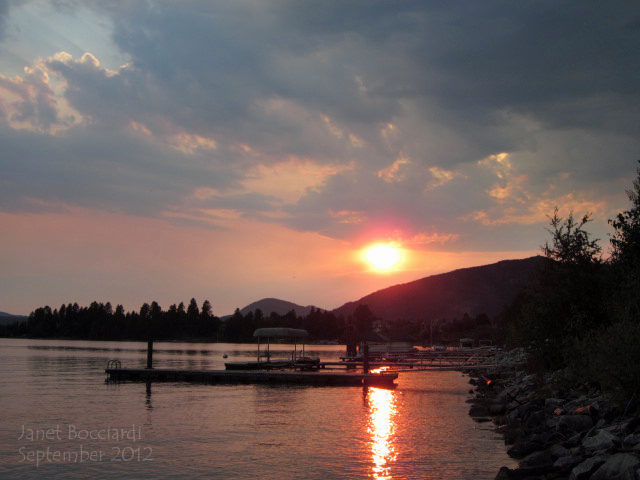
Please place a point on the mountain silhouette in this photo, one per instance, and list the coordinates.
(486, 289)
(281, 307)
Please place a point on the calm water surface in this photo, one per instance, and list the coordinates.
(60, 420)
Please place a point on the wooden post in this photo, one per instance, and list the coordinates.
(365, 358)
(149, 355)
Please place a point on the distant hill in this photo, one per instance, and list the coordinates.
(9, 318)
(486, 289)
(281, 307)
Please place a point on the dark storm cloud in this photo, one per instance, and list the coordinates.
(412, 95)
(563, 65)
(4, 12)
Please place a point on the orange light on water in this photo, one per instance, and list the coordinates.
(382, 406)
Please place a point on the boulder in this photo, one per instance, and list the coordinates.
(482, 419)
(566, 463)
(631, 440)
(546, 438)
(601, 441)
(512, 433)
(500, 420)
(601, 423)
(575, 423)
(535, 419)
(508, 394)
(573, 441)
(584, 470)
(496, 409)
(557, 451)
(578, 402)
(538, 463)
(503, 474)
(632, 426)
(479, 410)
(523, 448)
(551, 404)
(585, 410)
(621, 466)
(552, 422)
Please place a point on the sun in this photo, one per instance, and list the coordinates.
(382, 257)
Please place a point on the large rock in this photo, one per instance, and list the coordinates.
(523, 448)
(556, 450)
(575, 423)
(511, 431)
(535, 420)
(550, 404)
(631, 440)
(584, 470)
(566, 463)
(632, 426)
(479, 410)
(573, 441)
(538, 463)
(496, 408)
(601, 441)
(503, 474)
(621, 466)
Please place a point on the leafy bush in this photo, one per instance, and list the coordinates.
(611, 358)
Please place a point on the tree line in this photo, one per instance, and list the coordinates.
(100, 321)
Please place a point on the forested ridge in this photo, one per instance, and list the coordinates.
(100, 321)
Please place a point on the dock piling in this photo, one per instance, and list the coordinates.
(365, 358)
(149, 355)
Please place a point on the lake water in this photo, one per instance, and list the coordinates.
(60, 419)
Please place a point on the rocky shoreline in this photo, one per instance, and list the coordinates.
(555, 433)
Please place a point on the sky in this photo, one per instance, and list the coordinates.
(243, 149)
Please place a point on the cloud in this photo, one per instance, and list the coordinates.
(454, 123)
(5, 6)
(30, 101)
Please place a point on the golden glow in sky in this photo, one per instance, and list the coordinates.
(382, 257)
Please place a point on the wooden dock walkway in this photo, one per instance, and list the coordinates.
(424, 361)
(252, 376)
(406, 366)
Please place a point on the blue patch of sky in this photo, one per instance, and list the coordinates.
(38, 30)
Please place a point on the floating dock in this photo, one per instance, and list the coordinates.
(385, 379)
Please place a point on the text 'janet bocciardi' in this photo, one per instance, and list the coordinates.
(71, 444)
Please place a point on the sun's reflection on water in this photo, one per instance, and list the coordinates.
(382, 409)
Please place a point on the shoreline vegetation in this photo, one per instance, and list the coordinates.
(566, 396)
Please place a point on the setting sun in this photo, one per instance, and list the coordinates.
(382, 257)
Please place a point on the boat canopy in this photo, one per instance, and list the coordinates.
(280, 332)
